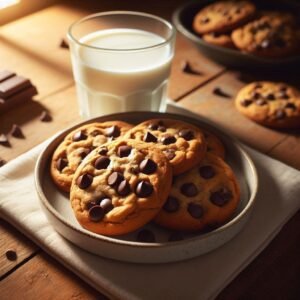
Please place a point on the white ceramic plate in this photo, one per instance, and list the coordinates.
(57, 207)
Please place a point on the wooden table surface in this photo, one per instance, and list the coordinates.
(30, 47)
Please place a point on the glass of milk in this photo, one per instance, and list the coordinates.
(121, 62)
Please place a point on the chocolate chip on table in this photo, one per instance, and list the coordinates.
(4, 140)
(83, 152)
(176, 236)
(11, 255)
(280, 114)
(145, 236)
(16, 131)
(103, 151)
(124, 151)
(101, 162)
(189, 189)
(106, 205)
(79, 136)
(2, 162)
(84, 181)
(64, 44)
(96, 213)
(291, 106)
(150, 138)
(207, 172)
(219, 92)
(220, 197)
(169, 153)
(115, 179)
(186, 134)
(246, 102)
(187, 68)
(144, 189)
(148, 166)
(61, 163)
(195, 210)
(168, 139)
(260, 102)
(45, 116)
(113, 131)
(124, 188)
(171, 204)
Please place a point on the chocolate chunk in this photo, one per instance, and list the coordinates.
(150, 138)
(4, 140)
(64, 44)
(103, 151)
(283, 88)
(84, 181)
(79, 135)
(153, 126)
(280, 114)
(5, 74)
(246, 102)
(219, 92)
(144, 189)
(106, 205)
(113, 131)
(148, 166)
(115, 178)
(161, 128)
(186, 134)
(260, 102)
(168, 139)
(12, 85)
(11, 255)
(207, 172)
(176, 236)
(189, 189)
(205, 20)
(291, 106)
(216, 34)
(102, 162)
(270, 97)
(187, 68)
(146, 236)
(2, 162)
(16, 131)
(124, 151)
(220, 197)
(283, 95)
(169, 153)
(61, 163)
(195, 210)
(96, 213)
(45, 116)
(124, 188)
(171, 205)
(83, 152)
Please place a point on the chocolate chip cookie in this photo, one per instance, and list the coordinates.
(219, 39)
(120, 187)
(267, 37)
(77, 145)
(223, 16)
(204, 197)
(183, 144)
(271, 104)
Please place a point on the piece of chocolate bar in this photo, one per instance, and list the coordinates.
(12, 85)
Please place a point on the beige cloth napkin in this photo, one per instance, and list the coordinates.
(199, 278)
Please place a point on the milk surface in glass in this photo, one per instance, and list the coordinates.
(122, 79)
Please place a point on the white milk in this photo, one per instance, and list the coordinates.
(124, 80)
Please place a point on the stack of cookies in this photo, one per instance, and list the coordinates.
(239, 25)
(121, 177)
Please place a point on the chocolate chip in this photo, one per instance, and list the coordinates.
(291, 106)
(260, 102)
(171, 205)
(106, 205)
(150, 138)
(2, 162)
(283, 88)
(238, 11)
(146, 236)
(134, 170)
(154, 126)
(79, 136)
(220, 197)
(102, 162)
(258, 85)
(207, 172)
(270, 97)
(84, 152)
(103, 151)
(84, 181)
(219, 92)
(246, 102)
(11, 255)
(256, 95)
(148, 166)
(113, 131)
(4, 139)
(45, 116)
(280, 114)
(64, 44)
(161, 128)
(96, 213)
(124, 151)
(205, 20)
(265, 44)
(283, 95)
(187, 68)
(169, 153)
(189, 189)
(186, 134)
(195, 210)
(16, 131)
(168, 139)
(61, 163)
(176, 236)
(144, 189)
(115, 178)
(124, 188)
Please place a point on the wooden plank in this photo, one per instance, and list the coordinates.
(12, 239)
(43, 277)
